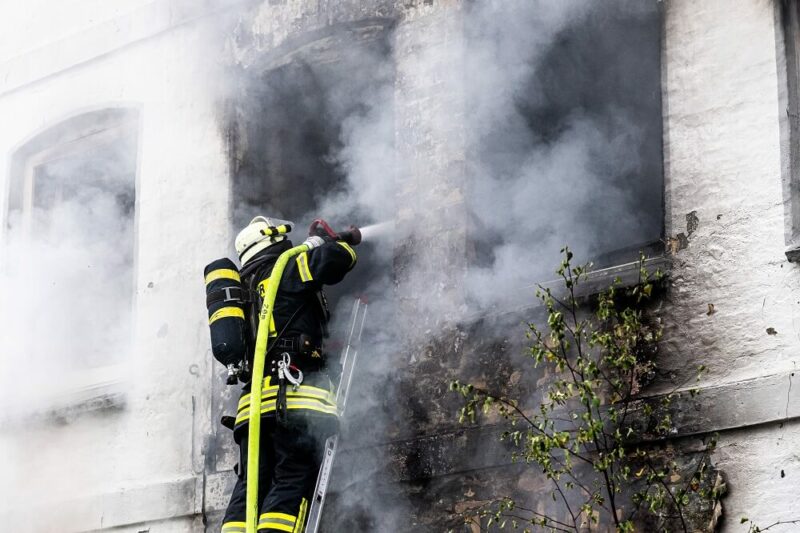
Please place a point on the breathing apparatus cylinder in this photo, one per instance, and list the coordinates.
(225, 304)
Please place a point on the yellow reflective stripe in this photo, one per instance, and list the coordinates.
(234, 527)
(222, 273)
(246, 407)
(324, 401)
(313, 405)
(279, 230)
(302, 267)
(280, 521)
(262, 290)
(275, 525)
(226, 312)
(349, 250)
(303, 390)
(301, 516)
(293, 404)
(280, 516)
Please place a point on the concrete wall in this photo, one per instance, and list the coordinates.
(141, 460)
(723, 161)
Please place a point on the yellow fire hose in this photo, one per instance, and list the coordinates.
(256, 383)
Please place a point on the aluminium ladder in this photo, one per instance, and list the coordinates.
(348, 360)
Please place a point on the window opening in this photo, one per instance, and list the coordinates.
(581, 150)
(287, 128)
(70, 240)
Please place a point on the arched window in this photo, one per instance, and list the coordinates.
(68, 277)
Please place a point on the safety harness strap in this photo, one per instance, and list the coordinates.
(228, 294)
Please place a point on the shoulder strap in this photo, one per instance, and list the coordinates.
(251, 286)
(322, 311)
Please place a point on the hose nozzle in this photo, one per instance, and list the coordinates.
(321, 228)
(351, 235)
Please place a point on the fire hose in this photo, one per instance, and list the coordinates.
(257, 381)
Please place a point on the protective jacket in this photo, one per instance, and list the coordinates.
(300, 318)
(291, 449)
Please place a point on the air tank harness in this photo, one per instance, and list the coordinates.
(285, 368)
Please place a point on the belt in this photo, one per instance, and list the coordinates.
(299, 344)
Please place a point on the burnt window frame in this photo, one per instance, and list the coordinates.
(98, 387)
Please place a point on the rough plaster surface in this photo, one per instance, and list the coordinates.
(141, 462)
(723, 165)
(724, 193)
(762, 467)
(25, 29)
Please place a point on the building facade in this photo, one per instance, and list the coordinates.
(137, 137)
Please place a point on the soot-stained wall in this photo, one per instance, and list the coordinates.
(286, 125)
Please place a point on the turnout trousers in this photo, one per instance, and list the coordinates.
(289, 461)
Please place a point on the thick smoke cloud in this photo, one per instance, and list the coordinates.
(67, 285)
(558, 137)
(562, 110)
(563, 139)
(567, 132)
(67, 277)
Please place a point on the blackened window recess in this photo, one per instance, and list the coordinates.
(286, 130)
(790, 14)
(290, 133)
(593, 94)
(71, 223)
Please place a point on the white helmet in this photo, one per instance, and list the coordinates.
(260, 233)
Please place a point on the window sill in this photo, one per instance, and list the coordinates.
(597, 281)
(93, 391)
(524, 300)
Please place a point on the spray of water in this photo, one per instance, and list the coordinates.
(378, 230)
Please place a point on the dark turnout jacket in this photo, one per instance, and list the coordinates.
(299, 309)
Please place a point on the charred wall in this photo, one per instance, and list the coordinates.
(407, 463)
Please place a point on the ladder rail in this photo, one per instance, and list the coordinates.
(349, 365)
(348, 357)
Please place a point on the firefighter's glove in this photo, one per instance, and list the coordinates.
(315, 241)
(320, 228)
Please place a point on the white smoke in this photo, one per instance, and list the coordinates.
(67, 278)
(527, 194)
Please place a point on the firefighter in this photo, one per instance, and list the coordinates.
(298, 401)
